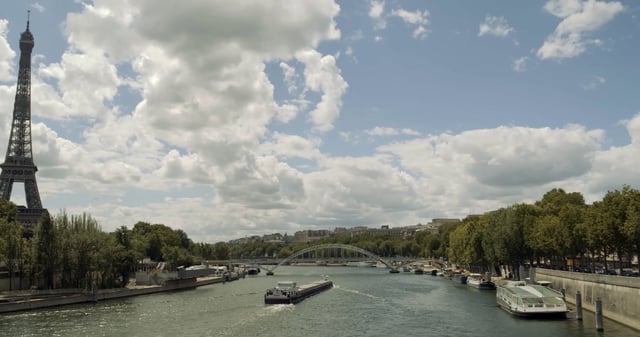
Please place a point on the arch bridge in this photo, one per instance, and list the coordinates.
(331, 246)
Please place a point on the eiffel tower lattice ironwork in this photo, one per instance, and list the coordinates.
(18, 165)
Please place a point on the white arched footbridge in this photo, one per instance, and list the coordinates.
(329, 246)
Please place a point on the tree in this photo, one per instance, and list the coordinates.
(12, 247)
(616, 205)
(46, 250)
(284, 253)
(631, 226)
(124, 257)
(221, 251)
(549, 239)
(568, 208)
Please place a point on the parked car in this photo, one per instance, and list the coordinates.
(631, 273)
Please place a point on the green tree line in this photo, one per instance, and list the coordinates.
(558, 229)
(72, 251)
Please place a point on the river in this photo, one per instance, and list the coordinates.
(364, 302)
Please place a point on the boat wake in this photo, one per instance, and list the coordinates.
(243, 294)
(276, 308)
(356, 292)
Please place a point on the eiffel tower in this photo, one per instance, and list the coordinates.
(18, 165)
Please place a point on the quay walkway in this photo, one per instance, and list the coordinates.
(30, 300)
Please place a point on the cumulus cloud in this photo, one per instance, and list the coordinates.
(323, 76)
(495, 26)
(546, 156)
(485, 169)
(593, 83)
(37, 6)
(361, 190)
(383, 131)
(520, 64)
(418, 19)
(376, 12)
(579, 19)
(6, 54)
(87, 84)
(612, 167)
(292, 146)
(198, 102)
(289, 77)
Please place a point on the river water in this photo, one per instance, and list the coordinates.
(364, 302)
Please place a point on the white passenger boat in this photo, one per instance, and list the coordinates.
(531, 300)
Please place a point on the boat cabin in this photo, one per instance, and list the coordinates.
(283, 285)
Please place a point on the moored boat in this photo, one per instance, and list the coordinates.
(459, 278)
(531, 300)
(417, 271)
(477, 281)
(287, 292)
(253, 270)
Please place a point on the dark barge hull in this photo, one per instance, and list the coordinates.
(301, 294)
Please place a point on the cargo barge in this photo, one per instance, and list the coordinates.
(287, 292)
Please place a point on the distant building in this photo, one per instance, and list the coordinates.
(434, 226)
(245, 240)
(275, 238)
(310, 235)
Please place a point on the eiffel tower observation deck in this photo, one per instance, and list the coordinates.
(18, 165)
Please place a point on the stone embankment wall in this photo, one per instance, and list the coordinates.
(620, 295)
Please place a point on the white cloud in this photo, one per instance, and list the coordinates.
(384, 131)
(496, 26)
(361, 190)
(201, 100)
(376, 12)
(417, 18)
(323, 76)
(87, 82)
(37, 6)
(563, 8)
(348, 51)
(520, 64)
(292, 146)
(580, 18)
(6, 54)
(480, 170)
(593, 83)
(613, 167)
(289, 77)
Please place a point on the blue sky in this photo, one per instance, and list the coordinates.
(234, 119)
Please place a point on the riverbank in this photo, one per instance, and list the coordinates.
(619, 294)
(24, 300)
